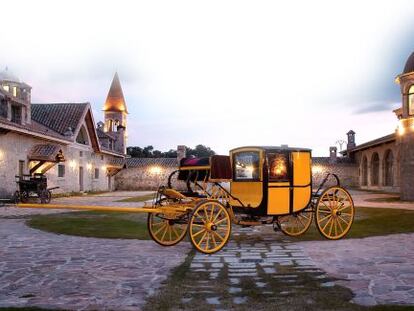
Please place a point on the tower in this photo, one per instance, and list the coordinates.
(351, 140)
(405, 136)
(115, 113)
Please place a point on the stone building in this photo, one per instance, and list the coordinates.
(60, 140)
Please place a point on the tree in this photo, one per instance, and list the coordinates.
(149, 152)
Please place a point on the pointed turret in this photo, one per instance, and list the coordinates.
(115, 100)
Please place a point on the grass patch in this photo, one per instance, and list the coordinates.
(385, 200)
(372, 222)
(94, 224)
(141, 198)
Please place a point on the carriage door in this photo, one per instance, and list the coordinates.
(279, 198)
(247, 183)
(80, 178)
(302, 186)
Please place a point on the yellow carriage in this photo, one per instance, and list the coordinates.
(252, 186)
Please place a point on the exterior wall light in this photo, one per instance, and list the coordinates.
(155, 170)
(72, 164)
(89, 166)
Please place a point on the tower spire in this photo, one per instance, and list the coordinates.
(115, 100)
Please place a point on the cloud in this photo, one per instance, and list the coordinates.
(378, 106)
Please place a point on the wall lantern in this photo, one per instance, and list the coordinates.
(89, 166)
(72, 164)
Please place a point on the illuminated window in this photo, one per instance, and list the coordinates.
(278, 166)
(411, 100)
(14, 91)
(246, 166)
(6, 88)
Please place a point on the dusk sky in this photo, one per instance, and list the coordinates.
(219, 73)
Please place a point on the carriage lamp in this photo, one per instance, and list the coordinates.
(155, 170)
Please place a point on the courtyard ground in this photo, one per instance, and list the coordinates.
(257, 266)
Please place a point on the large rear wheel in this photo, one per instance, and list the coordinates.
(210, 226)
(334, 213)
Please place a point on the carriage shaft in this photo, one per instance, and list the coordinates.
(158, 209)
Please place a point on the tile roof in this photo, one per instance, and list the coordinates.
(144, 162)
(59, 117)
(103, 135)
(47, 152)
(373, 143)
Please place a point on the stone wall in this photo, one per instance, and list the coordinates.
(347, 173)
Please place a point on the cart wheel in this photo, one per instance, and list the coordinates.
(295, 224)
(24, 196)
(16, 197)
(166, 230)
(210, 226)
(46, 197)
(334, 213)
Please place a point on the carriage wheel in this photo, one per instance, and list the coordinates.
(24, 196)
(334, 213)
(210, 226)
(295, 224)
(165, 229)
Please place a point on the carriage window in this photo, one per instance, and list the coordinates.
(246, 166)
(278, 166)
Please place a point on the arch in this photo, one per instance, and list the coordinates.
(410, 103)
(375, 166)
(82, 137)
(388, 164)
(364, 171)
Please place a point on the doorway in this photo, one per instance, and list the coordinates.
(80, 178)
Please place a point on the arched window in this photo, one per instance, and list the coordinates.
(82, 137)
(364, 171)
(411, 100)
(388, 168)
(375, 169)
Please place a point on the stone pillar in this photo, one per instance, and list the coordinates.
(406, 143)
(333, 154)
(181, 152)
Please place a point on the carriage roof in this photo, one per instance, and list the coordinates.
(272, 148)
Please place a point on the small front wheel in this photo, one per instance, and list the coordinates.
(295, 224)
(334, 213)
(210, 226)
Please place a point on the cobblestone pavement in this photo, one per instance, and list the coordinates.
(271, 265)
(379, 270)
(59, 271)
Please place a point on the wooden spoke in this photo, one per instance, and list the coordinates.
(295, 224)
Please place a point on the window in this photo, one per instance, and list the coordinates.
(246, 166)
(102, 157)
(278, 166)
(411, 100)
(16, 114)
(81, 154)
(96, 173)
(61, 170)
(14, 91)
(3, 108)
(82, 137)
(21, 167)
(6, 88)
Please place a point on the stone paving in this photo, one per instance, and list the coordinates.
(379, 270)
(254, 258)
(363, 198)
(59, 271)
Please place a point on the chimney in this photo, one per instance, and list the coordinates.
(181, 152)
(351, 140)
(332, 154)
